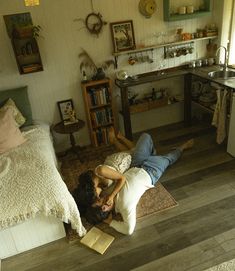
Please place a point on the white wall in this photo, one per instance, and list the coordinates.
(63, 38)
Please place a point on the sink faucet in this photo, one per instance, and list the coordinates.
(225, 65)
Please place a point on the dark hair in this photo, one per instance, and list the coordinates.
(95, 215)
(85, 194)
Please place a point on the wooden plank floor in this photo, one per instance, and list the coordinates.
(195, 235)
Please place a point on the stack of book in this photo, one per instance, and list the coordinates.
(98, 96)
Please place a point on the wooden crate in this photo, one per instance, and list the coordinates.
(158, 103)
(148, 105)
(140, 107)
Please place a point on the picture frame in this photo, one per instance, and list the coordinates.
(65, 109)
(123, 37)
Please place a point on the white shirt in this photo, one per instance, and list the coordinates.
(137, 182)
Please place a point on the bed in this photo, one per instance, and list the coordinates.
(35, 201)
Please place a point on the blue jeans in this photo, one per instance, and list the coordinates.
(144, 156)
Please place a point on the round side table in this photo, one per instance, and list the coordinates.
(70, 129)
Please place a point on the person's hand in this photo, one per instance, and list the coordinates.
(108, 220)
(109, 200)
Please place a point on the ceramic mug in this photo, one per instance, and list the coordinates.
(182, 10)
(190, 9)
(210, 61)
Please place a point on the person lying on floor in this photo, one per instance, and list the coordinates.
(146, 169)
(92, 182)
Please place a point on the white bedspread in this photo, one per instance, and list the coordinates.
(30, 184)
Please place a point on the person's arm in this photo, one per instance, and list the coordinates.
(127, 226)
(108, 173)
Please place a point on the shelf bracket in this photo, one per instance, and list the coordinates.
(115, 62)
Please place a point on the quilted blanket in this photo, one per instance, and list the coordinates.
(31, 184)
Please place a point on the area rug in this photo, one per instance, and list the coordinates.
(154, 200)
(226, 266)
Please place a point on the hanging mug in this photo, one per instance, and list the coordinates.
(131, 60)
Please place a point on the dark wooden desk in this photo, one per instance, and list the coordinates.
(70, 129)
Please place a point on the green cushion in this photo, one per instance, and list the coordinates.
(21, 99)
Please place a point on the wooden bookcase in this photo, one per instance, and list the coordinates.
(99, 110)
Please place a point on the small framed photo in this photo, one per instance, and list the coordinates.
(123, 36)
(66, 109)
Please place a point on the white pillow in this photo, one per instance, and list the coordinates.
(120, 161)
(19, 118)
(10, 134)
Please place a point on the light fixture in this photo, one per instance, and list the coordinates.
(30, 3)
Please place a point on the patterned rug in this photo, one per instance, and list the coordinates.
(154, 200)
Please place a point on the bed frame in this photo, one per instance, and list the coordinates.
(30, 234)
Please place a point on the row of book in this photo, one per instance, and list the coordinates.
(98, 96)
(101, 136)
(101, 117)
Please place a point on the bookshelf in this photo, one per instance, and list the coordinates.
(99, 110)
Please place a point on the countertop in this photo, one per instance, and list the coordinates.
(164, 74)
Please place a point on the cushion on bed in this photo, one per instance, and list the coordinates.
(10, 134)
(21, 99)
(121, 161)
(19, 118)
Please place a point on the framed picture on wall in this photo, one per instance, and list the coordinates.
(122, 35)
(67, 112)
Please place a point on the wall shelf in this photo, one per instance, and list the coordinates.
(206, 11)
(138, 50)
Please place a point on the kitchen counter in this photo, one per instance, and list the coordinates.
(187, 73)
(173, 72)
(203, 73)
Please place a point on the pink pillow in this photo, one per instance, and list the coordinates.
(10, 134)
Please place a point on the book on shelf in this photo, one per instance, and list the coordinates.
(98, 96)
(97, 240)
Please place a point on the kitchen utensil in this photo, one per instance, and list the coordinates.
(122, 75)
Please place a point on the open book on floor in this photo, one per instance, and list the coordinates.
(97, 240)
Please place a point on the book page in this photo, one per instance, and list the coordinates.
(97, 240)
(103, 242)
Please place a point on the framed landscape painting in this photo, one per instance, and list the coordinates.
(122, 35)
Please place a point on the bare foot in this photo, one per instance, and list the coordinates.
(187, 145)
(119, 135)
(112, 136)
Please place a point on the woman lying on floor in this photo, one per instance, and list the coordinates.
(146, 169)
(92, 183)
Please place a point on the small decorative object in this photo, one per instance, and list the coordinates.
(93, 22)
(123, 35)
(99, 74)
(182, 10)
(72, 116)
(190, 9)
(67, 112)
(122, 75)
(87, 63)
(147, 7)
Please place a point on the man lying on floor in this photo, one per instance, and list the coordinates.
(146, 169)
